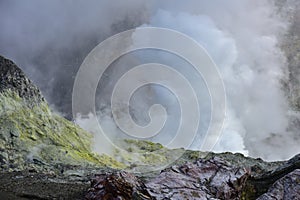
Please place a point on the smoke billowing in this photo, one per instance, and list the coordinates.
(50, 39)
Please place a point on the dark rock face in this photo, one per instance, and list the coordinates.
(12, 78)
(203, 179)
(287, 187)
(119, 186)
(208, 178)
(260, 182)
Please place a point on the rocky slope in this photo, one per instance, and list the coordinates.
(44, 156)
(31, 133)
(218, 176)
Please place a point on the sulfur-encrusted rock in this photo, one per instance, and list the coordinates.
(31, 135)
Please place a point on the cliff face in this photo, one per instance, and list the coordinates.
(44, 156)
(31, 133)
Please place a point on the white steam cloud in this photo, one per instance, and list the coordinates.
(242, 38)
(50, 39)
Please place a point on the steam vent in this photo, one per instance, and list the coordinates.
(44, 156)
(150, 100)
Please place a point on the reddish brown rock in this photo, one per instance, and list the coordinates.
(203, 179)
(117, 186)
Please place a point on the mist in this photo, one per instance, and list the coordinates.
(49, 40)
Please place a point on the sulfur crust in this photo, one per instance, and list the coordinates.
(57, 139)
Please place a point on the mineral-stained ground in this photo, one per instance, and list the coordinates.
(44, 156)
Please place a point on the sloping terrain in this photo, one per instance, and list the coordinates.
(44, 156)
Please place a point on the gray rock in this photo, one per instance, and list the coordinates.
(3, 157)
(285, 188)
(13, 78)
(218, 176)
(204, 179)
(118, 185)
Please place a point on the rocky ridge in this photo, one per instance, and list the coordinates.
(31, 133)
